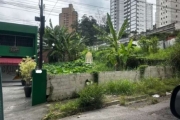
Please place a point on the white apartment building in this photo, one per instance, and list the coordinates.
(167, 12)
(117, 13)
(138, 12)
(149, 16)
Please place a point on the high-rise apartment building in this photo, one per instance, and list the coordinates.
(139, 14)
(68, 17)
(167, 12)
(149, 16)
(117, 13)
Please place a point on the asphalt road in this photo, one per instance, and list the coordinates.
(159, 111)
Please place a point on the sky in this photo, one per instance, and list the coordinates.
(24, 11)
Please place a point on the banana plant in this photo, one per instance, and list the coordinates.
(125, 52)
(113, 40)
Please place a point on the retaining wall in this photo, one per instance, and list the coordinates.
(65, 86)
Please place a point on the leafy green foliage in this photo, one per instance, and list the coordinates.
(144, 44)
(148, 45)
(86, 29)
(78, 66)
(153, 48)
(91, 96)
(67, 46)
(126, 52)
(112, 39)
(174, 58)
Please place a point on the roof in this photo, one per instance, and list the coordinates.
(18, 28)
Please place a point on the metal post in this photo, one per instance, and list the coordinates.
(41, 34)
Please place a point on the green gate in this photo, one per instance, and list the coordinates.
(39, 87)
(1, 99)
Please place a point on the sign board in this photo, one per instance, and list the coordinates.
(14, 49)
(1, 99)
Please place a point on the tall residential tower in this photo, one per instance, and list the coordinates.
(138, 12)
(167, 12)
(68, 17)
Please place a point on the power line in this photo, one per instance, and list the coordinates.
(52, 9)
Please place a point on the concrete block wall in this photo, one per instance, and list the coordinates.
(64, 86)
(159, 72)
(61, 87)
(118, 75)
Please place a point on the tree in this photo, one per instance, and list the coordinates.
(153, 45)
(66, 46)
(86, 29)
(144, 44)
(149, 45)
(112, 39)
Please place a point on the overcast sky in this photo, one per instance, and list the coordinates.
(24, 11)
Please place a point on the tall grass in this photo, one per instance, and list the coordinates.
(120, 87)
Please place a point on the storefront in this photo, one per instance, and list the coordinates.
(16, 42)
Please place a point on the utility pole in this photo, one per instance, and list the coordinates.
(41, 32)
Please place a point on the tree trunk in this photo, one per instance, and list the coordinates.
(118, 65)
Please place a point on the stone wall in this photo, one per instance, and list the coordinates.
(64, 86)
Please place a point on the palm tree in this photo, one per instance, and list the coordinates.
(113, 39)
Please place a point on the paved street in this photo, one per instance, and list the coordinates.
(17, 107)
(159, 111)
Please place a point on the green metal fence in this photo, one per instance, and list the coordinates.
(1, 99)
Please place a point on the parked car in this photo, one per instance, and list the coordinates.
(175, 102)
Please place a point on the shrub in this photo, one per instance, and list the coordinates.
(26, 66)
(91, 96)
(120, 87)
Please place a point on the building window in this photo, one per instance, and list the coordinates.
(10, 40)
(24, 41)
(7, 40)
(176, 16)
